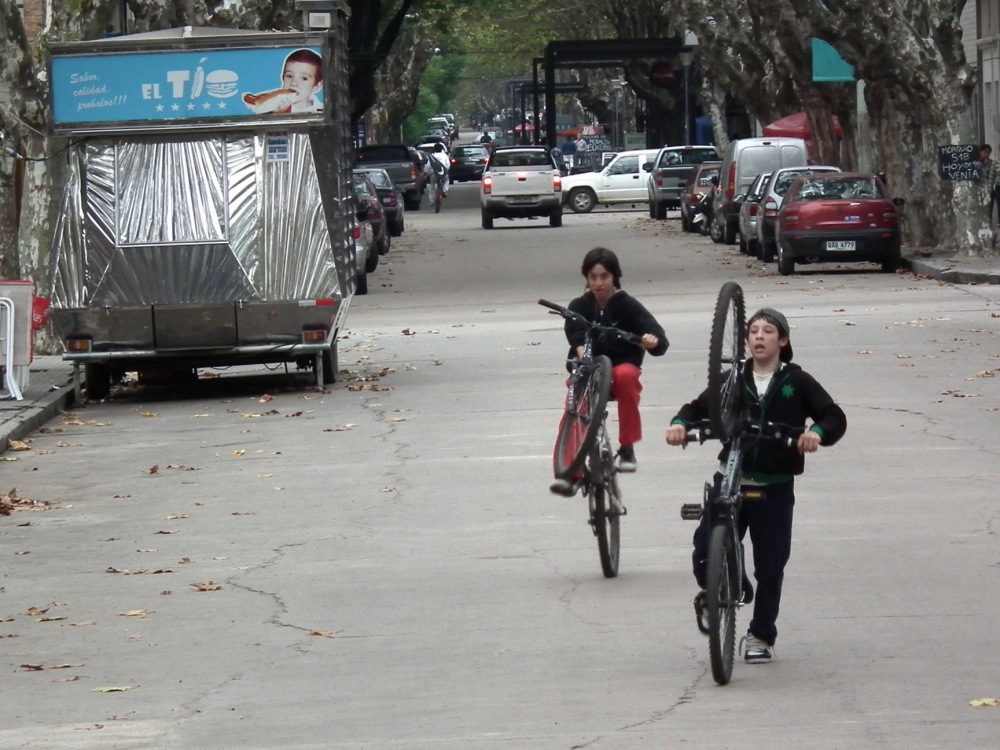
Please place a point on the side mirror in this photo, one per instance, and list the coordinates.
(739, 198)
(715, 180)
(899, 202)
(647, 167)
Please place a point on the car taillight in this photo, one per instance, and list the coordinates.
(487, 184)
(770, 208)
(557, 182)
(753, 209)
(790, 219)
(731, 182)
(413, 172)
(357, 232)
(659, 180)
(454, 161)
(391, 200)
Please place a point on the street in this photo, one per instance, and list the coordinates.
(257, 563)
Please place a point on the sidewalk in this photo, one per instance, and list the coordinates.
(49, 391)
(956, 270)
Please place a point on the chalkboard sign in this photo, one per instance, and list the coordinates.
(959, 162)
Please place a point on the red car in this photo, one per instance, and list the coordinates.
(838, 217)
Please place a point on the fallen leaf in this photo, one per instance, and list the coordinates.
(200, 416)
(9, 635)
(32, 667)
(239, 453)
(977, 702)
(182, 467)
(69, 679)
(172, 531)
(6, 619)
(408, 332)
(266, 398)
(123, 497)
(113, 689)
(241, 513)
(184, 561)
(175, 518)
(326, 633)
(134, 613)
(90, 727)
(79, 624)
(166, 593)
(148, 414)
(264, 476)
(66, 666)
(388, 489)
(865, 351)
(9, 458)
(35, 611)
(17, 445)
(30, 468)
(155, 468)
(50, 619)
(209, 586)
(26, 552)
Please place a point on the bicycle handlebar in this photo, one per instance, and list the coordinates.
(570, 315)
(787, 435)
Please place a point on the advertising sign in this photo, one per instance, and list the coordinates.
(959, 162)
(174, 87)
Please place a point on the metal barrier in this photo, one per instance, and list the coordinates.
(12, 376)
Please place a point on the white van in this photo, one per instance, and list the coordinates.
(623, 180)
(743, 161)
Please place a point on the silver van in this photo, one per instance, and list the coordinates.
(743, 161)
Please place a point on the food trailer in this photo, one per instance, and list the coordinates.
(208, 215)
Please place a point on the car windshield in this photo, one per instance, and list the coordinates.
(687, 156)
(379, 179)
(784, 180)
(839, 189)
(361, 189)
(373, 155)
(521, 159)
(470, 151)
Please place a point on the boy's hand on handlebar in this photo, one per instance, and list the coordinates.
(677, 435)
(579, 352)
(808, 442)
(649, 341)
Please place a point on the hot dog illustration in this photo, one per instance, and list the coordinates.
(270, 101)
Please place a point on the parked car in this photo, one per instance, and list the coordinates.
(749, 213)
(389, 196)
(744, 160)
(468, 162)
(374, 212)
(402, 164)
(364, 246)
(433, 138)
(772, 196)
(699, 182)
(669, 173)
(839, 217)
(621, 181)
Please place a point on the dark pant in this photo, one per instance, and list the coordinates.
(770, 522)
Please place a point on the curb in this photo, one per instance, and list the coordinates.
(954, 274)
(36, 416)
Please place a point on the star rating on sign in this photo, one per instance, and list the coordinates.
(175, 107)
(159, 107)
(206, 105)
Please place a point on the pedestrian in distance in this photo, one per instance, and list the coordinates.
(569, 151)
(989, 173)
(779, 391)
(606, 303)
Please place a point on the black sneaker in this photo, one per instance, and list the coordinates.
(626, 459)
(701, 612)
(562, 487)
(755, 650)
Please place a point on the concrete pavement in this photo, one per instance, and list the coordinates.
(51, 389)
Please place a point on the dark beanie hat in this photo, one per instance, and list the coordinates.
(781, 323)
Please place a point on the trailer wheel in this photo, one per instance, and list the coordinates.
(97, 376)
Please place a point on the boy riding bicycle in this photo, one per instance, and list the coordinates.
(606, 303)
(776, 390)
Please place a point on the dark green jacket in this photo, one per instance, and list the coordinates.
(792, 397)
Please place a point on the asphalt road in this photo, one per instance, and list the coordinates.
(395, 574)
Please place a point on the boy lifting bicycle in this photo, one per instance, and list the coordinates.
(606, 303)
(783, 393)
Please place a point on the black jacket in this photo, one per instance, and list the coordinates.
(791, 398)
(623, 311)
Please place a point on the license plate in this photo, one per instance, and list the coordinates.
(523, 199)
(841, 245)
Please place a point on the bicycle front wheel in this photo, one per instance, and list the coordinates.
(721, 602)
(582, 419)
(725, 354)
(605, 512)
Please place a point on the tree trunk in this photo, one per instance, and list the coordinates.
(713, 102)
(9, 265)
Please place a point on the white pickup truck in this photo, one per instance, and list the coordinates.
(521, 182)
(623, 180)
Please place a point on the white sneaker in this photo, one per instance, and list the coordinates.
(755, 650)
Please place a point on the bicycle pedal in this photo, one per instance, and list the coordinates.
(691, 511)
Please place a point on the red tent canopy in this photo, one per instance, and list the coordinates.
(529, 128)
(796, 126)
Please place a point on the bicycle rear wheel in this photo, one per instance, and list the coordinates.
(725, 354)
(605, 510)
(721, 602)
(578, 430)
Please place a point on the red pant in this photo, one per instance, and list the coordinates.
(625, 387)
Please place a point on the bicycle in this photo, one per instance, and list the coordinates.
(583, 456)
(729, 422)
(438, 194)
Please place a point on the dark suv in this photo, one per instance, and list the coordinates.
(468, 162)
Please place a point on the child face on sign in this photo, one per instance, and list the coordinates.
(300, 77)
